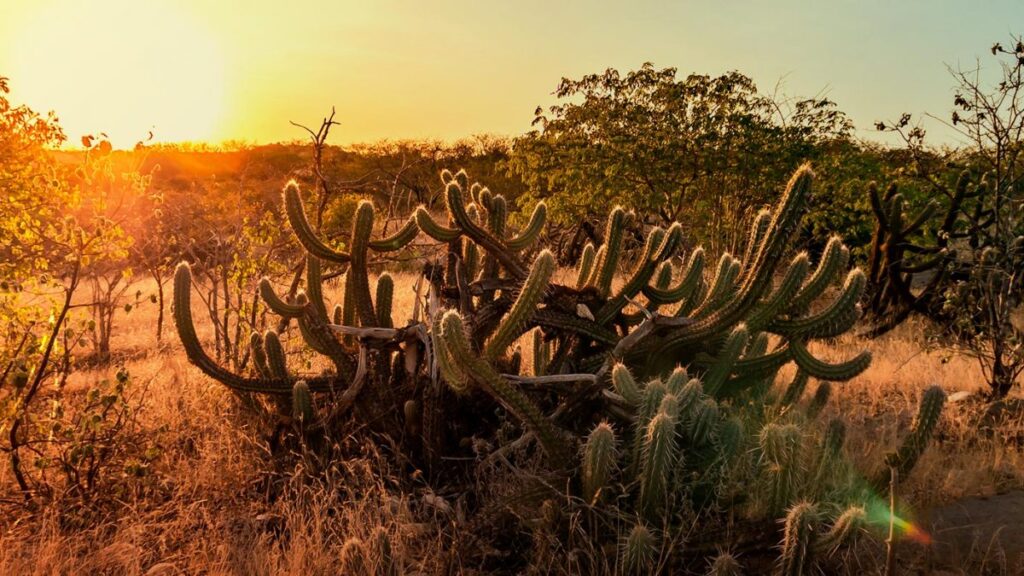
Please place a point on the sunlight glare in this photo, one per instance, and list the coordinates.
(121, 67)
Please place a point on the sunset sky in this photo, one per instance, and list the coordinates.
(214, 71)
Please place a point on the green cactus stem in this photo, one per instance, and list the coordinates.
(302, 403)
(531, 232)
(799, 539)
(640, 550)
(823, 370)
(454, 337)
(906, 456)
(609, 264)
(296, 214)
(259, 355)
(599, 461)
(659, 459)
(586, 266)
(400, 239)
(385, 295)
(436, 231)
(531, 293)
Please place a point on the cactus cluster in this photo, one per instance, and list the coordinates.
(923, 245)
(652, 387)
(763, 456)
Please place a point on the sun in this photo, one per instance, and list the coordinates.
(122, 67)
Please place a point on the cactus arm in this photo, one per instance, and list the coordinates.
(314, 286)
(436, 231)
(625, 385)
(303, 231)
(599, 461)
(453, 333)
(362, 227)
(660, 457)
(555, 319)
(275, 303)
(825, 371)
(659, 247)
(758, 230)
(726, 361)
(450, 370)
(385, 296)
(845, 531)
(836, 319)
(778, 238)
(722, 284)
(276, 360)
(782, 296)
(795, 390)
(182, 313)
(686, 287)
(799, 539)
(259, 355)
(400, 239)
(586, 266)
(529, 234)
(904, 458)
(302, 403)
(493, 246)
(612, 250)
(541, 353)
(530, 295)
(833, 261)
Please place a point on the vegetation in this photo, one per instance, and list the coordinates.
(430, 376)
(688, 434)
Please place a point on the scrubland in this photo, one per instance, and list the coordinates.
(216, 502)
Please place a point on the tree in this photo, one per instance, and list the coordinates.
(969, 239)
(52, 234)
(706, 148)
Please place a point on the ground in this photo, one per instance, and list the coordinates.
(207, 507)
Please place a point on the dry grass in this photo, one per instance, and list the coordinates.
(207, 509)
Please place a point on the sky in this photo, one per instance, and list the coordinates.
(241, 70)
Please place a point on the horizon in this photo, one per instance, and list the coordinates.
(395, 71)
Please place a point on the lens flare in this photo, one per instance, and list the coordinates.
(879, 515)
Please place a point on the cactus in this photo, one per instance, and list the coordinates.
(302, 403)
(453, 335)
(799, 539)
(670, 368)
(586, 265)
(385, 294)
(724, 564)
(820, 400)
(639, 550)
(530, 294)
(906, 456)
(660, 457)
(845, 531)
(795, 390)
(625, 385)
(600, 458)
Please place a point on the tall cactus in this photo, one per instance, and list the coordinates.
(906, 456)
(646, 393)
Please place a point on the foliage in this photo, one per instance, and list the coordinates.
(677, 444)
(700, 148)
(56, 231)
(969, 239)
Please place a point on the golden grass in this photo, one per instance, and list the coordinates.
(207, 511)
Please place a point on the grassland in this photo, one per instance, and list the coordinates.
(216, 503)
